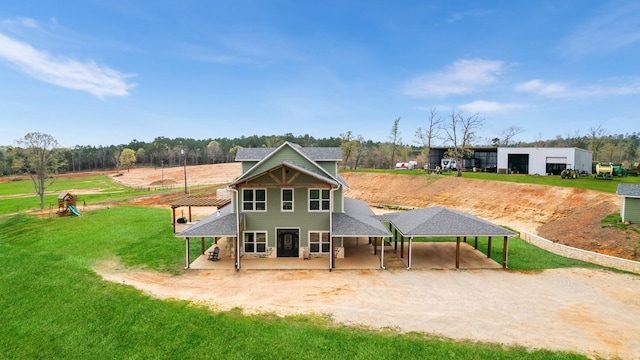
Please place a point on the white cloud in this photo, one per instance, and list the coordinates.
(540, 87)
(617, 25)
(462, 77)
(98, 80)
(613, 87)
(482, 106)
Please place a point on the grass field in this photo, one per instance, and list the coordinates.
(55, 306)
(19, 196)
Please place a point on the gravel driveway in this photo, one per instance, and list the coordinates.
(593, 312)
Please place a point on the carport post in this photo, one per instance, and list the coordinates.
(402, 247)
(202, 245)
(489, 247)
(505, 249)
(475, 243)
(382, 255)
(457, 252)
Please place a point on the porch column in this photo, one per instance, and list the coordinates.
(186, 255)
(237, 252)
(375, 246)
(457, 252)
(174, 219)
(505, 249)
(409, 263)
(202, 245)
(190, 213)
(331, 252)
(475, 243)
(402, 248)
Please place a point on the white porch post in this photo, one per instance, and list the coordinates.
(382, 255)
(186, 255)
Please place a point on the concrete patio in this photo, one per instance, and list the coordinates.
(359, 255)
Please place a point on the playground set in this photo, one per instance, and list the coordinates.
(67, 204)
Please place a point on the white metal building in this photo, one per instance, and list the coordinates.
(543, 161)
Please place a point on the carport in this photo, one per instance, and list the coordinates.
(439, 221)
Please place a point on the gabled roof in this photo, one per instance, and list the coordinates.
(310, 154)
(440, 221)
(313, 153)
(327, 179)
(357, 220)
(629, 190)
(220, 223)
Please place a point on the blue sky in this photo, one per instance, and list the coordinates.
(103, 72)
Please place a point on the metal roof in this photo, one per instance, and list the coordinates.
(440, 221)
(629, 190)
(357, 220)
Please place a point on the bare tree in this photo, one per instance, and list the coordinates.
(347, 145)
(427, 135)
(509, 134)
(597, 139)
(395, 139)
(360, 150)
(460, 131)
(41, 160)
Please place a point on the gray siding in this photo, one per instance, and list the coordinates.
(631, 210)
(286, 154)
(328, 166)
(275, 218)
(246, 165)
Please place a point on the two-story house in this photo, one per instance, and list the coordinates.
(289, 202)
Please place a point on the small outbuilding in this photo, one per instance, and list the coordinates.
(630, 209)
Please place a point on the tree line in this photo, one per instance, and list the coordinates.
(456, 130)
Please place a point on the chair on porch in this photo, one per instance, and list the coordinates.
(213, 255)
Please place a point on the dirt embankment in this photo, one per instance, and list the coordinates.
(565, 215)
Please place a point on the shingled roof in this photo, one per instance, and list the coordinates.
(357, 220)
(629, 190)
(220, 223)
(440, 221)
(313, 153)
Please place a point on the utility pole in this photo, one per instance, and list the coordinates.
(185, 171)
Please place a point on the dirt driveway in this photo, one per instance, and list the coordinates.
(592, 312)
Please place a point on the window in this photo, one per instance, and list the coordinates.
(254, 200)
(255, 242)
(319, 242)
(318, 199)
(287, 200)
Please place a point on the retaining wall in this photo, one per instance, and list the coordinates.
(582, 255)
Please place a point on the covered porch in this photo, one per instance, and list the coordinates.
(360, 254)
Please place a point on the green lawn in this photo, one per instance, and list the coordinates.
(53, 306)
(19, 196)
(521, 254)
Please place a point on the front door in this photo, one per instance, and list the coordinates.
(288, 240)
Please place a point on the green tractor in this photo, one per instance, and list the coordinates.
(569, 174)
